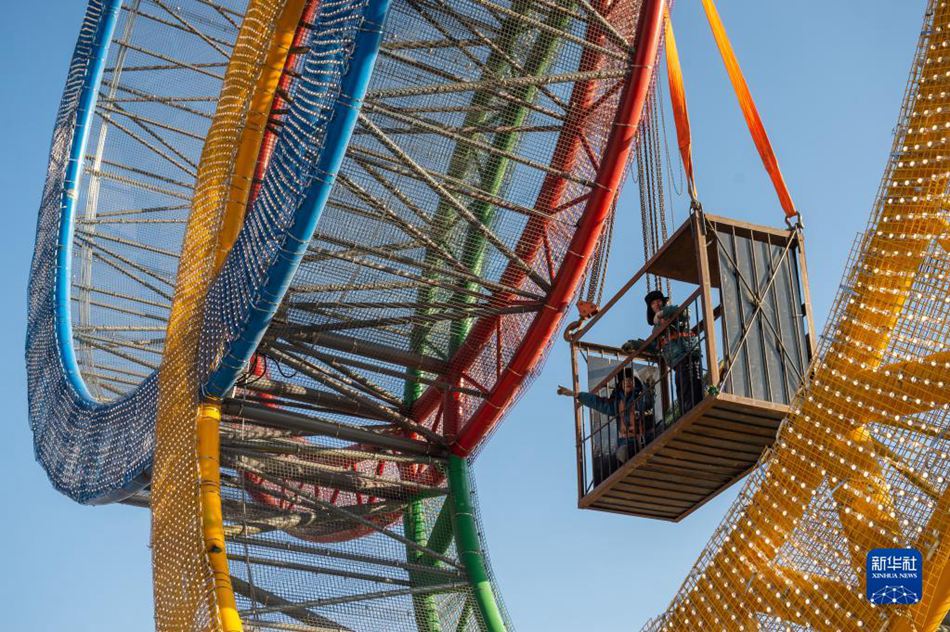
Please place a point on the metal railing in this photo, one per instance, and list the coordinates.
(672, 364)
(757, 351)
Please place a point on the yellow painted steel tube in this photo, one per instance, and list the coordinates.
(918, 385)
(189, 562)
(209, 413)
(258, 114)
(867, 493)
(212, 519)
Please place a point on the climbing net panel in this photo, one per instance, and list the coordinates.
(142, 87)
(384, 209)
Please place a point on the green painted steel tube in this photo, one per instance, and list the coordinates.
(438, 540)
(473, 254)
(441, 535)
(424, 606)
(538, 62)
(468, 545)
(463, 158)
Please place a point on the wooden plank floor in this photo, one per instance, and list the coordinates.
(704, 452)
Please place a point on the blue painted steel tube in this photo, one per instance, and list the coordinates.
(84, 116)
(339, 130)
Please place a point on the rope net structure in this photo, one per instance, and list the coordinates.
(862, 461)
(295, 260)
(141, 91)
(385, 208)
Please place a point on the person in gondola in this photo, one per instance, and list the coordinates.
(630, 405)
(678, 345)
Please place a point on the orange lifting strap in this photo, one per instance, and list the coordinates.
(674, 74)
(746, 104)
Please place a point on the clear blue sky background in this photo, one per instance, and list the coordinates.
(828, 76)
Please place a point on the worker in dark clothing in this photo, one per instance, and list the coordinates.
(678, 345)
(630, 404)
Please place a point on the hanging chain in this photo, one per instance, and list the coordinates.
(593, 278)
(597, 271)
(644, 196)
(650, 177)
(608, 241)
(658, 163)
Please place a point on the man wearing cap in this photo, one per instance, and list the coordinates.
(678, 346)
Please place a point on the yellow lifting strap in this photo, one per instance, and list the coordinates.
(746, 104)
(674, 75)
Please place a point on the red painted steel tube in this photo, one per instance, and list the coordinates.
(566, 151)
(531, 348)
(294, 59)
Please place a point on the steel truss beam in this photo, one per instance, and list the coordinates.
(292, 421)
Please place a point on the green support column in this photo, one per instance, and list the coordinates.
(538, 62)
(441, 536)
(456, 518)
(468, 545)
(414, 526)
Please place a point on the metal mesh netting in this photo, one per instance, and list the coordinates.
(448, 219)
(448, 222)
(131, 126)
(446, 227)
(458, 195)
(188, 595)
(286, 574)
(862, 462)
(241, 291)
(155, 103)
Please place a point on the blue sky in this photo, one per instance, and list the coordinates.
(828, 77)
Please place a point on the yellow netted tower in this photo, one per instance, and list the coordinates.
(862, 462)
(191, 579)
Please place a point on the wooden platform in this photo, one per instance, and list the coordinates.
(701, 454)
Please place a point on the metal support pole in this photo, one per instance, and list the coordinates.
(578, 422)
(806, 292)
(468, 544)
(292, 421)
(705, 280)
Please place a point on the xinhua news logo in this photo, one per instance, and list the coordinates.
(894, 576)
